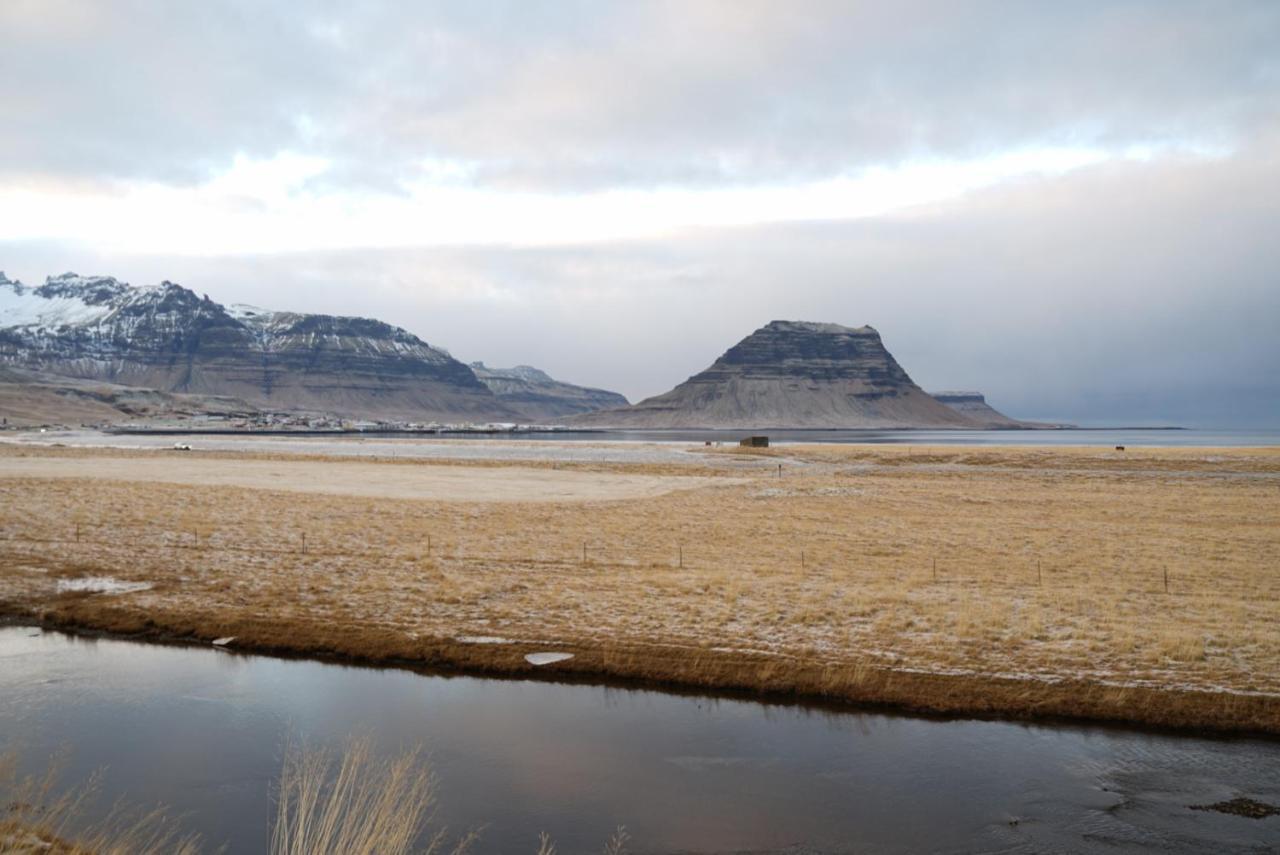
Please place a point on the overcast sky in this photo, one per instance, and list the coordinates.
(1074, 207)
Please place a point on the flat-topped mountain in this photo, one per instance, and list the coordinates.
(168, 338)
(794, 374)
(541, 397)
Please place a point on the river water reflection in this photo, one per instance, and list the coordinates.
(203, 731)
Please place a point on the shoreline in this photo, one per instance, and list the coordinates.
(741, 676)
(546, 432)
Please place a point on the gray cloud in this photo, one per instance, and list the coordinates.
(568, 95)
(1133, 293)
(1129, 291)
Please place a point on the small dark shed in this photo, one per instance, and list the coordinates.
(755, 442)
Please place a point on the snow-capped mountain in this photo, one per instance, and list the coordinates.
(169, 338)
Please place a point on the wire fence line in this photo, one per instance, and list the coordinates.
(806, 562)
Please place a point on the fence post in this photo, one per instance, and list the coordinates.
(1166, 580)
(935, 569)
(1039, 575)
(584, 552)
(304, 543)
(681, 548)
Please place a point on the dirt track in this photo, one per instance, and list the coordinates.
(344, 478)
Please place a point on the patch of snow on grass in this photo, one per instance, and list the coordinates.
(101, 585)
(483, 639)
(546, 658)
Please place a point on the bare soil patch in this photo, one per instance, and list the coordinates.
(353, 478)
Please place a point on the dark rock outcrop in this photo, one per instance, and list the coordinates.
(539, 396)
(792, 374)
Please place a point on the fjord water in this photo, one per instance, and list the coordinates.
(670, 446)
(203, 732)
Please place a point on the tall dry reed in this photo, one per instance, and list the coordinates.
(356, 804)
(327, 803)
(38, 816)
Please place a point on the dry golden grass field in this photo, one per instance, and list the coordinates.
(1141, 585)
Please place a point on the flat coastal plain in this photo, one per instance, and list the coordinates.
(1139, 586)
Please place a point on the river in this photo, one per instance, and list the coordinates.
(202, 731)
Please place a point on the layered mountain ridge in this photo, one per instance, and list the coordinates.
(794, 374)
(541, 397)
(168, 338)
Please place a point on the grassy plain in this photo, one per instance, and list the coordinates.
(1139, 585)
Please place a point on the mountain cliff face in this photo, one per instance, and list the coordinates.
(793, 374)
(541, 397)
(167, 337)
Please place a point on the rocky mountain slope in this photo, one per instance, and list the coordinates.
(975, 406)
(539, 396)
(793, 374)
(168, 338)
(39, 398)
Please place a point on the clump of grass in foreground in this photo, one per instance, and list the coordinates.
(35, 817)
(617, 844)
(355, 803)
(359, 804)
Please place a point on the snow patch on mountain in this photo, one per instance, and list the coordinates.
(243, 311)
(520, 372)
(60, 302)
